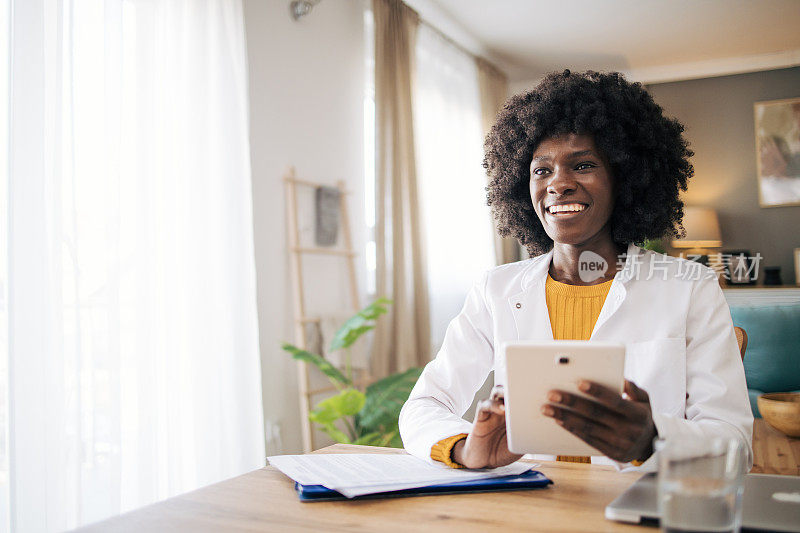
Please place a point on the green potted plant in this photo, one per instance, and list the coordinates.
(656, 245)
(352, 416)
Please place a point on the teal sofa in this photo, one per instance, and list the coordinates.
(772, 359)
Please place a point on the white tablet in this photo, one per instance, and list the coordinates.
(533, 369)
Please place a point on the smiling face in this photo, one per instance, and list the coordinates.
(571, 189)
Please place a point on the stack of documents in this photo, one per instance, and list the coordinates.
(355, 475)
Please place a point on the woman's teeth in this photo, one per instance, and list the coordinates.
(566, 208)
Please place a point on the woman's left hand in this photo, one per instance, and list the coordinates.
(622, 428)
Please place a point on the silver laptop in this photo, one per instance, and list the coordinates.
(769, 502)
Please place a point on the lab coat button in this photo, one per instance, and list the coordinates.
(519, 305)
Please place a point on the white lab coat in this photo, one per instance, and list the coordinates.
(677, 330)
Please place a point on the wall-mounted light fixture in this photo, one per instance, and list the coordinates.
(301, 8)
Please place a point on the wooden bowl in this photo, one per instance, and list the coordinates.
(781, 410)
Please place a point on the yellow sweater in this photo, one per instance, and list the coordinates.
(573, 311)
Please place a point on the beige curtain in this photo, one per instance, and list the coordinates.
(493, 86)
(402, 339)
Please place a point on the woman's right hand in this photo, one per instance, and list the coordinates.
(486, 446)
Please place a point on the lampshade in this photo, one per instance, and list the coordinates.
(702, 229)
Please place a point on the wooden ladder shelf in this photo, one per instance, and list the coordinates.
(296, 252)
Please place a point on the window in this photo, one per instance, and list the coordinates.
(451, 180)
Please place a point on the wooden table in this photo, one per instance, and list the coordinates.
(774, 452)
(264, 500)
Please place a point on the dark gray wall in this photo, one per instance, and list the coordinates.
(718, 115)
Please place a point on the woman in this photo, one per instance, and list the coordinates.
(583, 167)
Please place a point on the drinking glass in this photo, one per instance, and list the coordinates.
(700, 484)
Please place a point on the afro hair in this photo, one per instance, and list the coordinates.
(648, 156)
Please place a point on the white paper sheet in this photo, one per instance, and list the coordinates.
(359, 474)
(510, 470)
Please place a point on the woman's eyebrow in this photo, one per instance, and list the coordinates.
(573, 155)
(581, 153)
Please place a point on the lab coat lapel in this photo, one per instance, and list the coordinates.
(617, 292)
(529, 307)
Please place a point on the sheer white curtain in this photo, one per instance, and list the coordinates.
(451, 180)
(132, 349)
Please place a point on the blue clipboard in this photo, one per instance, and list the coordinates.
(530, 479)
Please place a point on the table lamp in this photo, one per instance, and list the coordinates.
(702, 230)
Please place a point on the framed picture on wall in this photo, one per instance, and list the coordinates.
(777, 125)
(797, 266)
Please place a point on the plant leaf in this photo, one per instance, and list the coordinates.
(358, 324)
(347, 337)
(395, 442)
(335, 433)
(324, 414)
(389, 437)
(320, 362)
(370, 439)
(339, 339)
(384, 399)
(375, 309)
(346, 403)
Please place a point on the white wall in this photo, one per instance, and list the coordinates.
(306, 110)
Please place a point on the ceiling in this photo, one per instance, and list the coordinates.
(655, 40)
